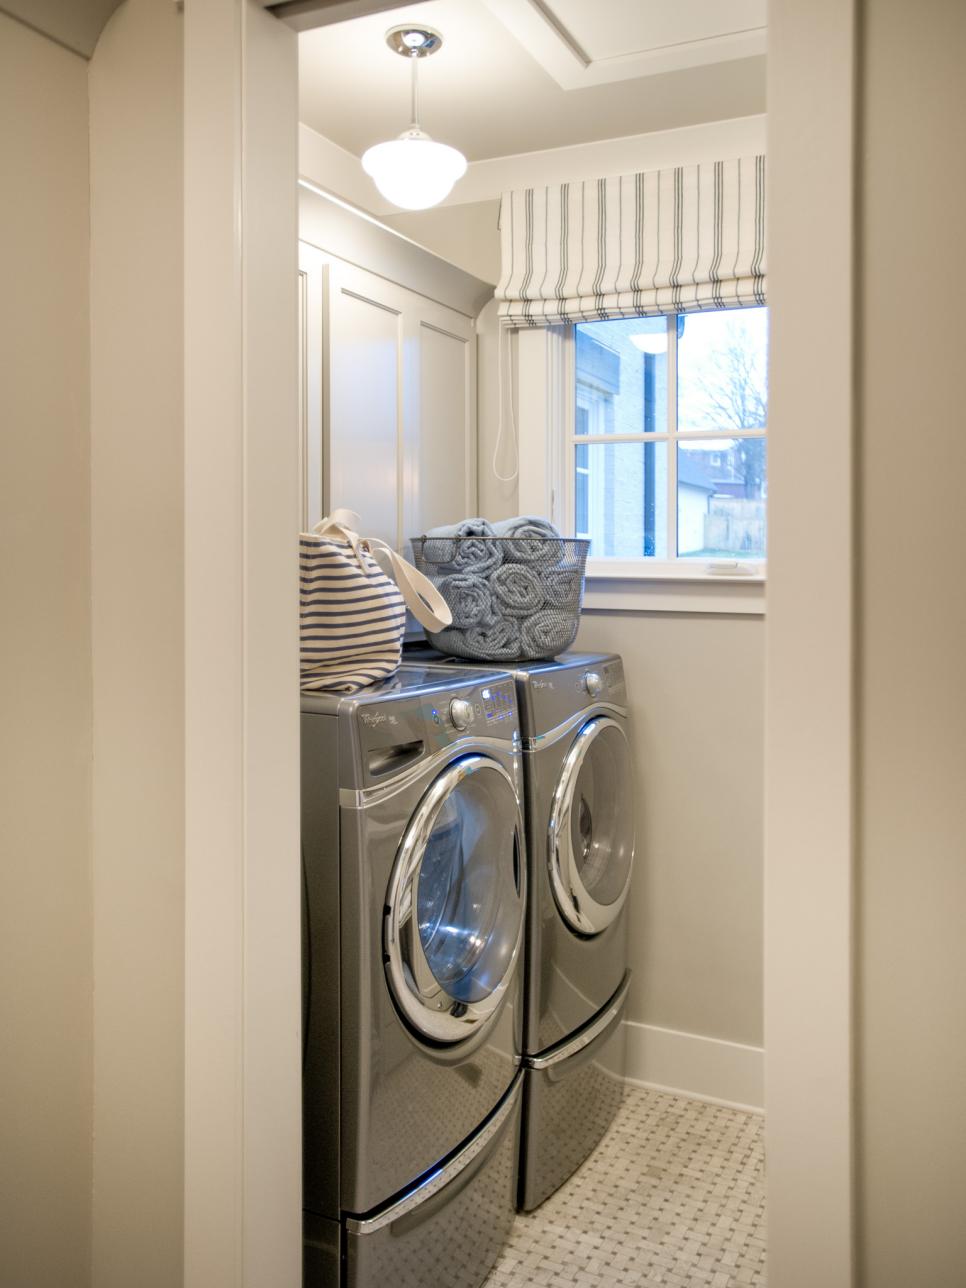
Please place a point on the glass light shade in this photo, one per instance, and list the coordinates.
(414, 171)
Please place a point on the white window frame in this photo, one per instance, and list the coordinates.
(595, 483)
(546, 394)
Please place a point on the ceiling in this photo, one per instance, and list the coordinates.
(75, 24)
(527, 75)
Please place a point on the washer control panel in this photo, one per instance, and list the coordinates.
(491, 705)
(419, 713)
(498, 702)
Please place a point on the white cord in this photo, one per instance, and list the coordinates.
(505, 478)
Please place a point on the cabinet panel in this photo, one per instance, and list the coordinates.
(363, 412)
(444, 466)
(389, 402)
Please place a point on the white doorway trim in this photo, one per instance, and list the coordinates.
(809, 723)
(242, 916)
(242, 1157)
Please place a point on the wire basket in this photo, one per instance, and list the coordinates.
(513, 599)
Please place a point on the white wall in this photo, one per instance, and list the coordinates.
(911, 886)
(138, 643)
(695, 686)
(465, 235)
(45, 676)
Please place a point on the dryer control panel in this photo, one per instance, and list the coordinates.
(614, 679)
(556, 691)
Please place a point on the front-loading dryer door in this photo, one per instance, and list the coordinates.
(455, 905)
(591, 837)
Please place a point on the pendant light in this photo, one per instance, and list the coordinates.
(413, 171)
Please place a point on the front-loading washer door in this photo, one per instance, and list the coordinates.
(591, 839)
(455, 905)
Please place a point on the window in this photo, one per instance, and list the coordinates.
(668, 455)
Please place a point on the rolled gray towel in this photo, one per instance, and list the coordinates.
(494, 641)
(440, 545)
(468, 597)
(548, 632)
(530, 540)
(562, 588)
(516, 590)
(479, 555)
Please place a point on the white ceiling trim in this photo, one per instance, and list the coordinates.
(713, 141)
(560, 54)
(331, 168)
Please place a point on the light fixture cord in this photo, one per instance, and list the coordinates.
(414, 59)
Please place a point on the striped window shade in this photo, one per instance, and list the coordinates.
(664, 241)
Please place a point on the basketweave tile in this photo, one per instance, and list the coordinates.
(673, 1197)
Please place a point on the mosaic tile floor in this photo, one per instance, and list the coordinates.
(673, 1196)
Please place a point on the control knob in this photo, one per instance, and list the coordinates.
(461, 713)
(593, 683)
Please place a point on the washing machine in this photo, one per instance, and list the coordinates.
(414, 908)
(580, 810)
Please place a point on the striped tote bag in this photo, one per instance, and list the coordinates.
(354, 593)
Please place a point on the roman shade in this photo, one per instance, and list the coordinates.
(662, 241)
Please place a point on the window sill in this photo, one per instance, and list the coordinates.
(614, 585)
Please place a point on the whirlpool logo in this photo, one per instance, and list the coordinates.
(373, 719)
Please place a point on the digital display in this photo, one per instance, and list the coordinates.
(497, 703)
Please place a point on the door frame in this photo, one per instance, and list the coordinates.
(242, 1138)
(242, 1159)
(809, 651)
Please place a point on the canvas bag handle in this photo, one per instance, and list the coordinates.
(422, 598)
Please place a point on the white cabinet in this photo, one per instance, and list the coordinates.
(388, 401)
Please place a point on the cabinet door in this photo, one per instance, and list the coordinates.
(388, 396)
(364, 328)
(440, 446)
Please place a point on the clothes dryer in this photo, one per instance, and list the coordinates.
(414, 898)
(580, 841)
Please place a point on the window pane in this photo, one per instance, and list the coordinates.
(621, 376)
(624, 489)
(723, 370)
(722, 486)
(581, 492)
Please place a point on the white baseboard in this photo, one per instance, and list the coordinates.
(686, 1064)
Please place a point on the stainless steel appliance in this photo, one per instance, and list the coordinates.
(580, 841)
(414, 901)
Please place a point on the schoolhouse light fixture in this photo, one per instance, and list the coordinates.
(414, 171)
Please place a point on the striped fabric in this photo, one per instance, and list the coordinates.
(352, 616)
(664, 241)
